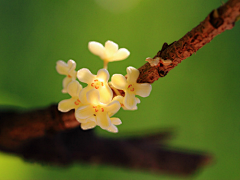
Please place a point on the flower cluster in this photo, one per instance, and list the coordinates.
(96, 103)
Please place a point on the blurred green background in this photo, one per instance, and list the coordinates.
(199, 98)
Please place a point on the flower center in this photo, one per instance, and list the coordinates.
(98, 108)
(130, 87)
(69, 76)
(97, 84)
(77, 102)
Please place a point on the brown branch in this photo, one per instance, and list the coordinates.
(47, 143)
(48, 135)
(216, 22)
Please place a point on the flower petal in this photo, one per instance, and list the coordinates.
(71, 65)
(119, 81)
(103, 120)
(74, 88)
(132, 74)
(116, 121)
(121, 54)
(118, 98)
(111, 47)
(129, 100)
(88, 125)
(93, 97)
(65, 84)
(113, 107)
(84, 112)
(83, 94)
(138, 100)
(72, 74)
(113, 129)
(103, 75)
(106, 94)
(80, 120)
(85, 75)
(62, 67)
(66, 105)
(96, 48)
(143, 89)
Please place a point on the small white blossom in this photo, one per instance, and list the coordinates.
(98, 82)
(131, 87)
(109, 53)
(97, 113)
(73, 90)
(67, 69)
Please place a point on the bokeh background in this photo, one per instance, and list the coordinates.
(199, 98)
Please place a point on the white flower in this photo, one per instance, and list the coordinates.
(97, 113)
(98, 82)
(120, 100)
(131, 87)
(109, 53)
(67, 69)
(73, 90)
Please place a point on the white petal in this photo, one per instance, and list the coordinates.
(132, 74)
(118, 98)
(111, 47)
(106, 94)
(80, 120)
(103, 75)
(71, 65)
(121, 54)
(119, 81)
(93, 97)
(96, 48)
(83, 94)
(143, 89)
(138, 100)
(88, 125)
(74, 88)
(85, 75)
(113, 107)
(135, 107)
(62, 67)
(103, 120)
(92, 118)
(66, 105)
(84, 112)
(65, 83)
(73, 74)
(113, 129)
(116, 121)
(129, 100)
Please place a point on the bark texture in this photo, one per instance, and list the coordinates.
(216, 22)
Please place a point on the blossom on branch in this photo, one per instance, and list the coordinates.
(131, 87)
(67, 69)
(98, 82)
(109, 53)
(73, 90)
(97, 113)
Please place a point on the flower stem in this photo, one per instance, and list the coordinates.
(105, 63)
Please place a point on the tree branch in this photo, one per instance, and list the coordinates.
(216, 22)
(50, 136)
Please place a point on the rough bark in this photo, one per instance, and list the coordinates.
(216, 22)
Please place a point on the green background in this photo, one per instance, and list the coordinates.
(199, 98)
